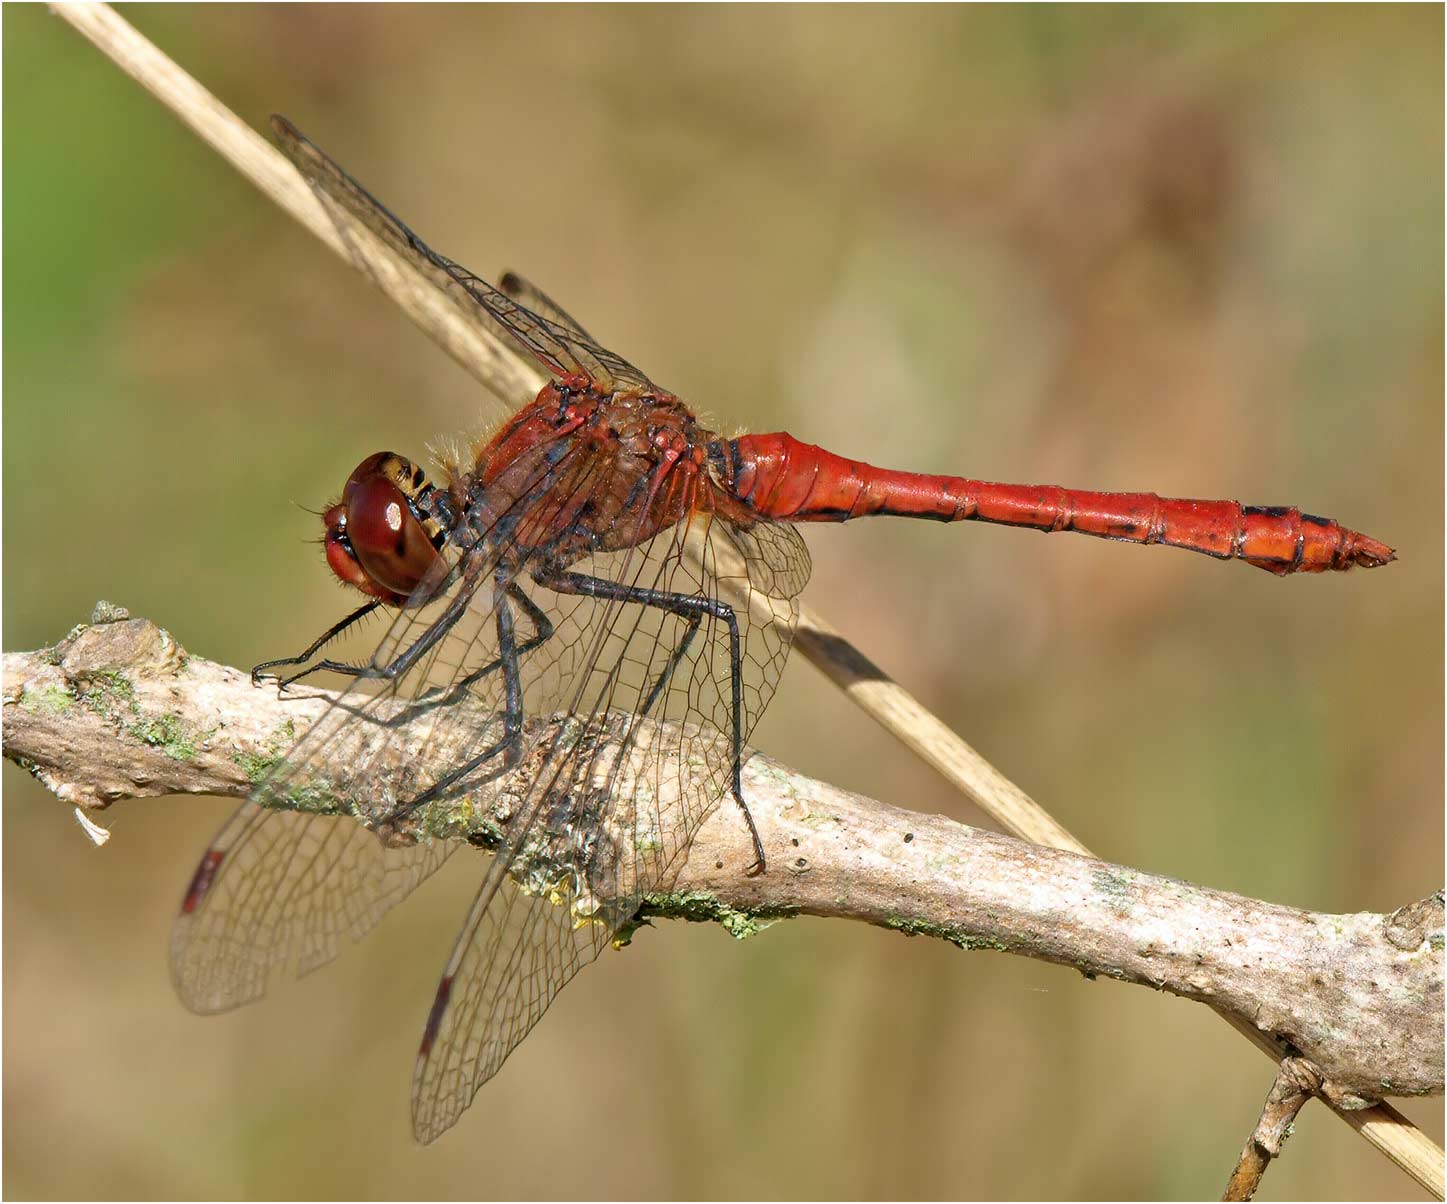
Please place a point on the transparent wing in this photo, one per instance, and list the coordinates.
(280, 883)
(525, 292)
(617, 798)
(562, 348)
(516, 955)
(277, 891)
(571, 708)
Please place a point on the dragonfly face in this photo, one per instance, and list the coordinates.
(385, 536)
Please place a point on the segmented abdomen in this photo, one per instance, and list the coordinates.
(782, 478)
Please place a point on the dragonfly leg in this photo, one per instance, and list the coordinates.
(446, 621)
(260, 672)
(542, 633)
(674, 658)
(435, 631)
(446, 695)
(455, 690)
(692, 607)
(438, 628)
(510, 746)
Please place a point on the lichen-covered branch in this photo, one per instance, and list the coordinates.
(118, 710)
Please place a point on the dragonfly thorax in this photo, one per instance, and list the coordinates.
(581, 470)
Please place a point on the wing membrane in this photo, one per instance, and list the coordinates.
(630, 748)
(644, 788)
(562, 349)
(280, 884)
(577, 712)
(525, 292)
(513, 957)
(277, 891)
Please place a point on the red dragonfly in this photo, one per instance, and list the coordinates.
(601, 574)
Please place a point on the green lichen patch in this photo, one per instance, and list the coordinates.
(255, 765)
(258, 764)
(465, 818)
(172, 735)
(698, 907)
(110, 695)
(317, 797)
(49, 700)
(913, 926)
(1115, 885)
(108, 612)
(624, 936)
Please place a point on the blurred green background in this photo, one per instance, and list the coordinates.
(1196, 250)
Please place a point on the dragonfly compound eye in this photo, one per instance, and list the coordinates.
(340, 557)
(386, 539)
(375, 541)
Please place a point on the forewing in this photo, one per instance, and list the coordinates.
(608, 819)
(302, 863)
(277, 891)
(525, 292)
(563, 349)
(625, 692)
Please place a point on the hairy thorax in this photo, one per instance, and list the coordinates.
(580, 471)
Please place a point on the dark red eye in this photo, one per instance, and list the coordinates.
(387, 540)
(343, 562)
(374, 541)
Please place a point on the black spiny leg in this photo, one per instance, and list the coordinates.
(419, 647)
(692, 607)
(452, 692)
(260, 671)
(510, 746)
(674, 659)
(542, 633)
(438, 628)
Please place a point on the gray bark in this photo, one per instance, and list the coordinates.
(118, 710)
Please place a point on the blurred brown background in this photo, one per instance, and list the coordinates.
(1195, 250)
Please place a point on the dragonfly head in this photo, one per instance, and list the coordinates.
(382, 537)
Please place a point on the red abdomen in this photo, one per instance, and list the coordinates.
(782, 478)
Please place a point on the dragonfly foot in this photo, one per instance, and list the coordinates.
(757, 866)
(261, 676)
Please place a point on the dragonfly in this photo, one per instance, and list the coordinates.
(588, 612)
